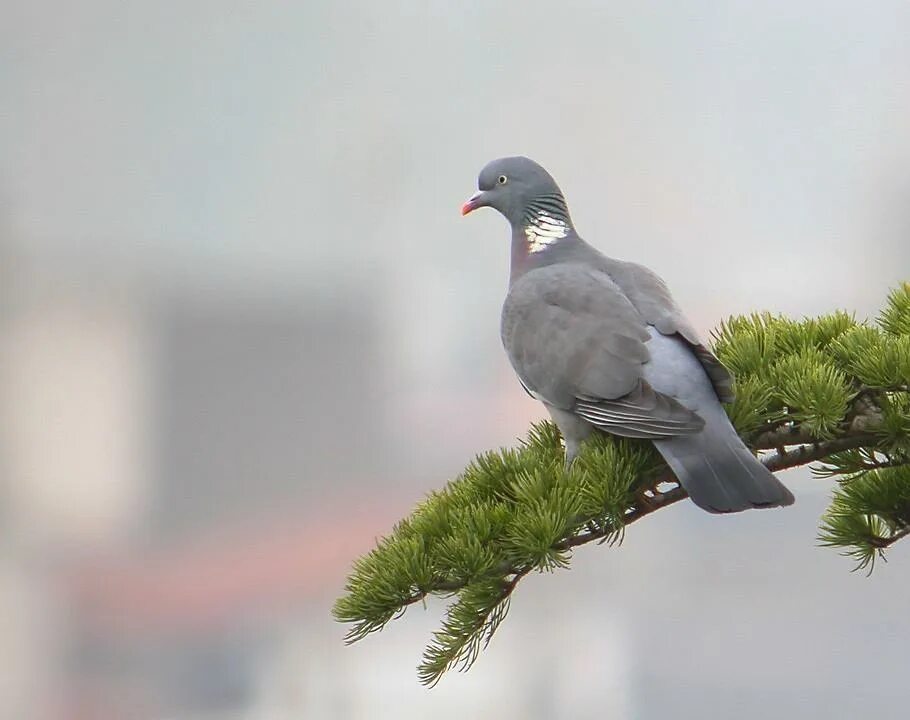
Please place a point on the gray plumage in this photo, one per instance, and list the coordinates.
(601, 343)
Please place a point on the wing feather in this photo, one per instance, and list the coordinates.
(650, 295)
(578, 344)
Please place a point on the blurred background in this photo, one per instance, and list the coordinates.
(244, 329)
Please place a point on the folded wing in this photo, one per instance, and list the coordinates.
(578, 344)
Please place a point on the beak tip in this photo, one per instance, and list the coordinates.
(472, 203)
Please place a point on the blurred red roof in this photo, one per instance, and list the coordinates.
(204, 584)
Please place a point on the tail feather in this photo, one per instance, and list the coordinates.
(719, 472)
(714, 466)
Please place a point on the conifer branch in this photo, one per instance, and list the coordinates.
(805, 454)
(824, 390)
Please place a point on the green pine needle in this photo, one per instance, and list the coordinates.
(868, 514)
(518, 510)
(895, 318)
(814, 390)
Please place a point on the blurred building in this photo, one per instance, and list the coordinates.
(169, 466)
(261, 408)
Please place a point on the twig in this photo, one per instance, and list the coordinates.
(882, 543)
(805, 454)
(790, 435)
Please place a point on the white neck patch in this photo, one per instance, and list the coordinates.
(543, 230)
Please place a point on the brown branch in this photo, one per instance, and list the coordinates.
(790, 435)
(780, 460)
(636, 512)
(882, 543)
(805, 454)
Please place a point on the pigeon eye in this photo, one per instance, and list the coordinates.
(502, 180)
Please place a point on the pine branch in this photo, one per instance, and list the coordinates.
(805, 454)
(823, 390)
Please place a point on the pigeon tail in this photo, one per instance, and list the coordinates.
(719, 472)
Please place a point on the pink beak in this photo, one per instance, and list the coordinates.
(472, 203)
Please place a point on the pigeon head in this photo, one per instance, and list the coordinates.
(520, 189)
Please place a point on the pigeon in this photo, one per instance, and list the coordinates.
(603, 345)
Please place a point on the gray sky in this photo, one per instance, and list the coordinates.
(273, 142)
(754, 154)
